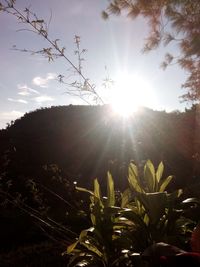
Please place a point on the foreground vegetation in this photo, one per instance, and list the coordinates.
(124, 225)
(50, 156)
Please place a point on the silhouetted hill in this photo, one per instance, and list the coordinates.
(87, 140)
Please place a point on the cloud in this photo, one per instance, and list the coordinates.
(25, 90)
(11, 115)
(43, 98)
(43, 82)
(18, 100)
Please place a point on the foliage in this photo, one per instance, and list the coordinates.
(170, 20)
(24, 198)
(25, 146)
(147, 215)
(96, 242)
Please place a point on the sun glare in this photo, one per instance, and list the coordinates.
(129, 93)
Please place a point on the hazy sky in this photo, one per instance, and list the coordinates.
(27, 82)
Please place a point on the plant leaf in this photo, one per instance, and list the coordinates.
(154, 204)
(97, 189)
(191, 200)
(71, 247)
(110, 191)
(93, 218)
(92, 248)
(88, 242)
(165, 183)
(80, 259)
(125, 196)
(135, 218)
(159, 171)
(82, 189)
(133, 178)
(149, 176)
(84, 233)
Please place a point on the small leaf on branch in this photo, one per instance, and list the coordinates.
(163, 65)
(104, 15)
(168, 58)
(114, 8)
(134, 12)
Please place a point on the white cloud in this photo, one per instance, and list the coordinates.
(51, 76)
(11, 115)
(18, 100)
(40, 81)
(25, 90)
(43, 98)
(43, 82)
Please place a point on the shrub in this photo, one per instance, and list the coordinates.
(124, 224)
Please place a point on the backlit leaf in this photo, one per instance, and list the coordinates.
(93, 218)
(110, 190)
(149, 176)
(84, 190)
(165, 183)
(159, 171)
(125, 196)
(133, 178)
(97, 189)
(72, 247)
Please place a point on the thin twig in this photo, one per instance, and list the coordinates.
(44, 33)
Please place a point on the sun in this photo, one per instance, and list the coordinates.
(129, 93)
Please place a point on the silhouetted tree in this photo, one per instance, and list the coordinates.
(169, 20)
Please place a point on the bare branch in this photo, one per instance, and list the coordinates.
(40, 27)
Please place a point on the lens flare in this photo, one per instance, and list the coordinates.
(129, 93)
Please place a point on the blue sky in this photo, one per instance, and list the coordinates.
(28, 82)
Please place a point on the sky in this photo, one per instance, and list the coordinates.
(28, 82)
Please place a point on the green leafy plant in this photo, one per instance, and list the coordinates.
(156, 212)
(99, 244)
(147, 215)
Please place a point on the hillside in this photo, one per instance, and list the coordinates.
(86, 141)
